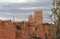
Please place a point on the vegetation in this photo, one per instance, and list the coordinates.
(56, 14)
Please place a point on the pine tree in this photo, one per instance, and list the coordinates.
(56, 13)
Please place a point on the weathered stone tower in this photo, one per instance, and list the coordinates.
(38, 16)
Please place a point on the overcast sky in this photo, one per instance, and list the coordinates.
(20, 9)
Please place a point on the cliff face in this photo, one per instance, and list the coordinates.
(25, 30)
(6, 32)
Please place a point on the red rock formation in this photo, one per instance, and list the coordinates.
(25, 30)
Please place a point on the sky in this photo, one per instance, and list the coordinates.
(21, 9)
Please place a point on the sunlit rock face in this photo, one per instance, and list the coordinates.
(33, 28)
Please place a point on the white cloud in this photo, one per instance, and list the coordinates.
(20, 19)
(25, 1)
(10, 18)
(33, 8)
(25, 9)
(4, 18)
(20, 1)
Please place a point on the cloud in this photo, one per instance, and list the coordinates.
(22, 8)
(30, 9)
(22, 5)
(21, 1)
(4, 18)
(17, 9)
(11, 18)
(25, 1)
